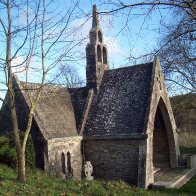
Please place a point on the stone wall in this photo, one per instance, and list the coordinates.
(114, 159)
(39, 143)
(161, 157)
(53, 156)
(159, 99)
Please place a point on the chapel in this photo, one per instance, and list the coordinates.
(121, 121)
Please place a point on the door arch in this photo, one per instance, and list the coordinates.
(163, 138)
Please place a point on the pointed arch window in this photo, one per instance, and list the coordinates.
(99, 54)
(99, 36)
(105, 56)
(69, 169)
(63, 163)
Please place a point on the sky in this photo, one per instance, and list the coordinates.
(124, 37)
(136, 38)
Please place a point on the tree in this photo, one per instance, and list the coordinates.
(68, 76)
(177, 53)
(30, 31)
(186, 6)
(177, 46)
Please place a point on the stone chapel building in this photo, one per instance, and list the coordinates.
(122, 121)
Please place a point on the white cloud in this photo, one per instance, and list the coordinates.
(18, 60)
(113, 46)
(19, 67)
(116, 52)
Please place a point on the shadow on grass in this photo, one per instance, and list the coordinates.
(11, 179)
(189, 188)
(188, 150)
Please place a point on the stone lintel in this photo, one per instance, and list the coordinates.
(65, 138)
(111, 137)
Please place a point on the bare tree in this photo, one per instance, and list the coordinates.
(184, 108)
(10, 31)
(30, 31)
(177, 53)
(69, 76)
(177, 45)
(186, 6)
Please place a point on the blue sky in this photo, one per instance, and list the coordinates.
(138, 37)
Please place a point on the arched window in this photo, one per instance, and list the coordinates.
(99, 36)
(99, 54)
(69, 169)
(63, 162)
(105, 56)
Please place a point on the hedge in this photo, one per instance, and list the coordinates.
(8, 154)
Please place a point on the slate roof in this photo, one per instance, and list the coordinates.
(78, 98)
(120, 106)
(56, 114)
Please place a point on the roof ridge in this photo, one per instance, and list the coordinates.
(130, 66)
(38, 84)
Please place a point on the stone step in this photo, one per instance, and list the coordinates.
(176, 182)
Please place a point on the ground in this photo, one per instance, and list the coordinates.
(39, 183)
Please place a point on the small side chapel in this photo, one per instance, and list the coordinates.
(121, 121)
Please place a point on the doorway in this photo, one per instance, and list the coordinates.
(161, 151)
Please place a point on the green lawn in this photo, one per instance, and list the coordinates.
(39, 183)
(188, 150)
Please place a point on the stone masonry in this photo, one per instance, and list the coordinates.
(122, 121)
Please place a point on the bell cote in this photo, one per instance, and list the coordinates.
(96, 54)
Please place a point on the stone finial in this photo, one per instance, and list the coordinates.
(96, 55)
(95, 22)
(88, 170)
(156, 59)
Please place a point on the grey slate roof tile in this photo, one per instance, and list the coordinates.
(118, 108)
(121, 103)
(54, 112)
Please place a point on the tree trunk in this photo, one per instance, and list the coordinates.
(20, 152)
(21, 166)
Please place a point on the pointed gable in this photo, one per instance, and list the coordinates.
(120, 106)
(56, 113)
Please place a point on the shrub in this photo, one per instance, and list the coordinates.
(8, 154)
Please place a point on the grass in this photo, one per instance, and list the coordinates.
(39, 183)
(187, 139)
(187, 150)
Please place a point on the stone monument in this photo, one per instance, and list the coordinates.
(88, 170)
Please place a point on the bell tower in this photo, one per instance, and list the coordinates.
(96, 55)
